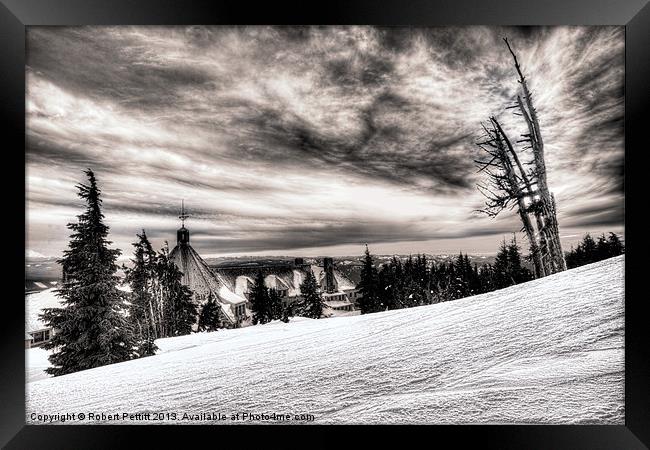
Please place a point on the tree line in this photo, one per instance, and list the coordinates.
(418, 281)
(589, 250)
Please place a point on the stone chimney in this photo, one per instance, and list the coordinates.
(328, 267)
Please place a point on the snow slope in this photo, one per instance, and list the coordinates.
(35, 363)
(548, 351)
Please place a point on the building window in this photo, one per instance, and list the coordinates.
(41, 336)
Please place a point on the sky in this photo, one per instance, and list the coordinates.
(311, 141)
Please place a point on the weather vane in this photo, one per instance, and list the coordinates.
(183, 215)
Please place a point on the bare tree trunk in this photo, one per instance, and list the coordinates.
(547, 223)
(561, 260)
(510, 185)
(536, 254)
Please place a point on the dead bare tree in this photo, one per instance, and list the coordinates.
(509, 185)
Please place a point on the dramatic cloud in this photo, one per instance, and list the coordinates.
(294, 140)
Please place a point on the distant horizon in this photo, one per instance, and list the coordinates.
(567, 242)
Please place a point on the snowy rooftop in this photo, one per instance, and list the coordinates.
(230, 297)
(275, 282)
(198, 276)
(337, 303)
(243, 284)
(342, 282)
(34, 305)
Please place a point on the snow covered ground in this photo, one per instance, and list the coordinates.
(35, 363)
(548, 351)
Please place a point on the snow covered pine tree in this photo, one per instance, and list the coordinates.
(209, 317)
(275, 304)
(91, 329)
(369, 286)
(143, 311)
(259, 300)
(312, 303)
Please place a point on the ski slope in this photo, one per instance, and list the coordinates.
(547, 351)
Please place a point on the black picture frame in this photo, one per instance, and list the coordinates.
(634, 14)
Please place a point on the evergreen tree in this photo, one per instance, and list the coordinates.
(209, 317)
(369, 286)
(590, 248)
(616, 247)
(259, 300)
(486, 275)
(439, 283)
(458, 281)
(602, 248)
(502, 275)
(508, 268)
(91, 329)
(179, 311)
(475, 281)
(287, 313)
(467, 266)
(575, 257)
(312, 303)
(275, 305)
(570, 258)
(518, 272)
(389, 279)
(421, 272)
(414, 295)
(141, 278)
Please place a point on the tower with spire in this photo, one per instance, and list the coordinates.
(183, 234)
(202, 280)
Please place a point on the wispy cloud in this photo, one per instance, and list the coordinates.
(280, 138)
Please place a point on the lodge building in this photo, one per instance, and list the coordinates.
(231, 286)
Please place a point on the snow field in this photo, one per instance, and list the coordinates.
(547, 351)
